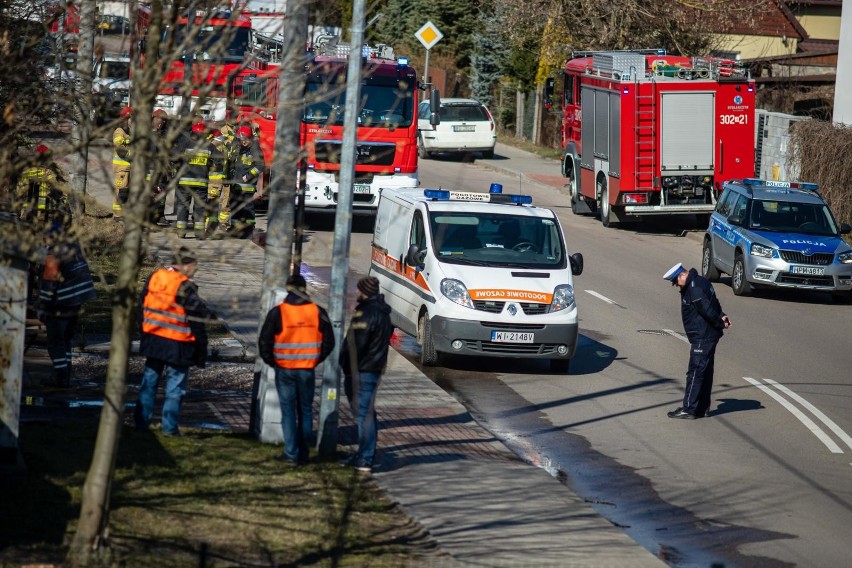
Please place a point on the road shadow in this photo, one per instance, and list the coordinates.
(727, 405)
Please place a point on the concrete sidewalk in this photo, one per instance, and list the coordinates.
(482, 504)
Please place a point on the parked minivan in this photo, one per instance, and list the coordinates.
(477, 274)
(466, 126)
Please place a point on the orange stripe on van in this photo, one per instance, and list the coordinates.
(505, 295)
(392, 264)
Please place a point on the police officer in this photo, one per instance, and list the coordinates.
(174, 338)
(121, 162)
(296, 337)
(194, 151)
(704, 323)
(65, 285)
(248, 169)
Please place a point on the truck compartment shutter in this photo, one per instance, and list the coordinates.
(688, 120)
(615, 134)
(587, 132)
(602, 125)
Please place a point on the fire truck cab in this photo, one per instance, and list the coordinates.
(646, 133)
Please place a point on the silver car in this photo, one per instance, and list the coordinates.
(777, 234)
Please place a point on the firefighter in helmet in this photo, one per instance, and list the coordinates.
(194, 153)
(121, 162)
(159, 167)
(218, 174)
(38, 195)
(248, 169)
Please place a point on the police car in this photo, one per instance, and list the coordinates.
(777, 234)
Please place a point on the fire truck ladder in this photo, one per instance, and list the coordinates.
(645, 136)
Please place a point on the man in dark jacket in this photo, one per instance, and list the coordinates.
(296, 337)
(65, 285)
(704, 323)
(363, 359)
(173, 338)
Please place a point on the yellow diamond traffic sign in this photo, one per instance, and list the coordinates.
(429, 35)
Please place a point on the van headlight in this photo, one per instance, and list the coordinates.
(760, 250)
(845, 257)
(563, 298)
(457, 292)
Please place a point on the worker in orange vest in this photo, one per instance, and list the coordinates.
(174, 338)
(296, 337)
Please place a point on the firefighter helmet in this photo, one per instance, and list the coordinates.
(244, 132)
(159, 112)
(126, 111)
(199, 128)
(42, 149)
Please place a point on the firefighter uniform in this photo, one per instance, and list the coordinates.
(195, 153)
(65, 285)
(37, 194)
(247, 168)
(228, 149)
(159, 169)
(216, 184)
(121, 163)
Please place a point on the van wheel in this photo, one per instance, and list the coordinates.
(560, 365)
(428, 356)
(708, 269)
(421, 149)
(739, 283)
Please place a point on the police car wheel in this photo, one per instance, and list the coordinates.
(739, 283)
(708, 269)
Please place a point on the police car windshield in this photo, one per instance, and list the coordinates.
(499, 240)
(792, 217)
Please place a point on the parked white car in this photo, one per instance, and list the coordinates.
(466, 126)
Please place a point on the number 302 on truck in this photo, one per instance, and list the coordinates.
(477, 274)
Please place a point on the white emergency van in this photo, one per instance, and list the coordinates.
(485, 274)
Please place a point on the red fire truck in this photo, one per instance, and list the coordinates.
(387, 126)
(646, 133)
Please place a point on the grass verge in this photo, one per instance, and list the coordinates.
(202, 499)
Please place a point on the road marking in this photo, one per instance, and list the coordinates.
(604, 298)
(847, 439)
(677, 335)
(809, 424)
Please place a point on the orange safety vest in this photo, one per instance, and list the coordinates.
(161, 313)
(299, 343)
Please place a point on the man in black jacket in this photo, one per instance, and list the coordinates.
(704, 323)
(296, 337)
(174, 338)
(363, 358)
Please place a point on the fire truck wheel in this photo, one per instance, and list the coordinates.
(571, 186)
(739, 283)
(421, 150)
(607, 218)
(708, 269)
(428, 356)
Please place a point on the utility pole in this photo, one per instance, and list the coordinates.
(282, 195)
(330, 399)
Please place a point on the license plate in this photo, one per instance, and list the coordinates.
(809, 270)
(361, 188)
(464, 128)
(512, 336)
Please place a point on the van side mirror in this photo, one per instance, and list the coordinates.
(414, 256)
(576, 260)
(736, 220)
(845, 228)
(548, 93)
(435, 107)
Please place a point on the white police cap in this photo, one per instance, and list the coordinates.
(673, 273)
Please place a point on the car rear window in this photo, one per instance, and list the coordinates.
(468, 113)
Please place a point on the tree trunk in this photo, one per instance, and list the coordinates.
(519, 113)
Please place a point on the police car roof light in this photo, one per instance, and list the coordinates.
(496, 188)
(781, 184)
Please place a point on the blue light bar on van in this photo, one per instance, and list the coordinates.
(447, 195)
(781, 184)
(402, 61)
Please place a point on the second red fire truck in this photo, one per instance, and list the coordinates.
(646, 133)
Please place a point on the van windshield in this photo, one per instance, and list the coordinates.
(498, 240)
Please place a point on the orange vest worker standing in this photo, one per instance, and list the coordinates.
(296, 337)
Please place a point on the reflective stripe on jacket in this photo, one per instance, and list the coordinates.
(66, 281)
(299, 344)
(162, 315)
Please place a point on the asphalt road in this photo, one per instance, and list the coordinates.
(764, 481)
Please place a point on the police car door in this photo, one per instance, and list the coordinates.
(732, 234)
